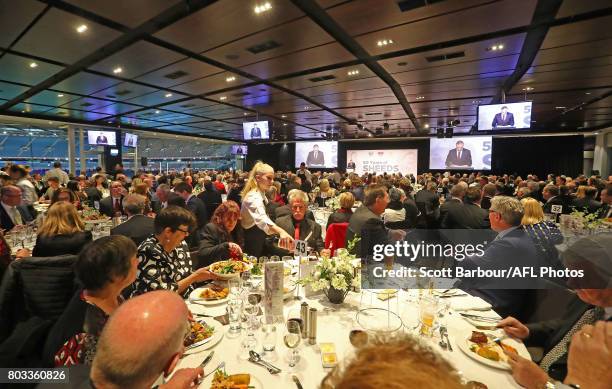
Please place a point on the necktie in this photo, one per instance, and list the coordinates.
(16, 216)
(458, 154)
(117, 206)
(315, 155)
(561, 348)
(296, 235)
(503, 117)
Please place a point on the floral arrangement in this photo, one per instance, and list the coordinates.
(333, 203)
(337, 272)
(585, 220)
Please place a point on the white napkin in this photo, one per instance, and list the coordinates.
(469, 303)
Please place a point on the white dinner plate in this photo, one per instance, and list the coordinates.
(464, 344)
(210, 342)
(226, 276)
(255, 383)
(195, 298)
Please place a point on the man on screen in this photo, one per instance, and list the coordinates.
(503, 119)
(315, 157)
(101, 139)
(459, 156)
(350, 165)
(131, 141)
(255, 132)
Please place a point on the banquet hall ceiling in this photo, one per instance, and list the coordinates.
(311, 68)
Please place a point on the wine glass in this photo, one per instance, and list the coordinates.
(292, 338)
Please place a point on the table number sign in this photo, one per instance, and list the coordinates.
(273, 289)
(556, 208)
(301, 249)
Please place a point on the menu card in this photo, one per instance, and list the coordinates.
(273, 289)
(306, 269)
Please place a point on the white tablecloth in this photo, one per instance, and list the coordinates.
(334, 324)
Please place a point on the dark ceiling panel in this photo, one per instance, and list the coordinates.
(131, 13)
(124, 91)
(85, 83)
(14, 18)
(139, 58)
(8, 91)
(19, 69)
(55, 37)
(179, 73)
(52, 98)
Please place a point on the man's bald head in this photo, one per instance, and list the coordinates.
(141, 340)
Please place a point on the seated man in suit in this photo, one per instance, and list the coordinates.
(451, 212)
(512, 248)
(138, 227)
(112, 205)
(12, 213)
(299, 226)
(551, 194)
(459, 156)
(196, 206)
(606, 200)
(588, 202)
(503, 118)
(315, 157)
(592, 255)
(366, 222)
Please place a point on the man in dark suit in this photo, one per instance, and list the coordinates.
(315, 157)
(451, 212)
(606, 201)
(298, 225)
(592, 256)
(366, 222)
(255, 132)
(459, 156)
(196, 206)
(350, 165)
(112, 205)
(473, 216)
(428, 203)
(551, 195)
(511, 248)
(211, 197)
(488, 192)
(12, 213)
(504, 118)
(138, 227)
(161, 198)
(588, 203)
(101, 140)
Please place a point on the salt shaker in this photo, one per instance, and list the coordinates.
(312, 326)
(305, 321)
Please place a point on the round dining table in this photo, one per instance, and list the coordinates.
(335, 321)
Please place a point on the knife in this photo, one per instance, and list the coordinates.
(480, 318)
(207, 359)
(297, 382)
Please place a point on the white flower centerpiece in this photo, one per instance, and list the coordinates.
(335, 276)
(333, 203)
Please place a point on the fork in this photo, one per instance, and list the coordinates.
(220, 366)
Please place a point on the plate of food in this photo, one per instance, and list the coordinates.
(222, 380)
(481, 347)
(210, 295)
(229, 269)
(202, 335)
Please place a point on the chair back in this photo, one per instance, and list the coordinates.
(335, 237)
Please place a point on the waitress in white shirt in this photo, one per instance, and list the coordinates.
(253, 217)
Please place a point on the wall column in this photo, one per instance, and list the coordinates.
(82, 156)
(71, 150)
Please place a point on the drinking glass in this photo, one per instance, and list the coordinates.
(292, 340)
(233, 284)
(269, 328)
(275, 258)
(428, 310)
(234, 312)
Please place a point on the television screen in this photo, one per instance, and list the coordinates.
(255, 130)
(382, 161)
(114, 152)
(239, 149)
(504, 116)
(461, 153)
(317, 154)
(131, 140)
(101, 138)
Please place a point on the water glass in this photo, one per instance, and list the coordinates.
(292, 338)
(269, 328)
(275, 258)
(234, 312)
(233, 284)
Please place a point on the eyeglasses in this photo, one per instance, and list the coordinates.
(183, 231)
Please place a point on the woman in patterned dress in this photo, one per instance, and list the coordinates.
(104, 268)
(164, 259)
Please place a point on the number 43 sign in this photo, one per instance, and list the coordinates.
(301, 249)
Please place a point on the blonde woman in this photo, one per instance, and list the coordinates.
(544, 234)
(324, 193)
(62, 232)
(254, 220)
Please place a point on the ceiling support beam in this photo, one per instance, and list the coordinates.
(164, 19)
(543, 16)
(329, 25)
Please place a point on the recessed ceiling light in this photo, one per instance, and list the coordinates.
(33, 65)
(496, 47)
(307, 107)
(560, 107)
(353, 72)
(82, 28)
(527, 89)
(263, 7)
(245, 113)
(283, 116)
(420, 97)
(426, 125)
(587, 93)
(223, 98)
(284, 124)
(60, 95)
(370, 134)
(230, 79)
(168, 95)
(157, 111)
(384, 42)
(117, 70)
